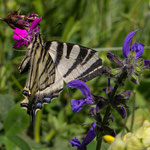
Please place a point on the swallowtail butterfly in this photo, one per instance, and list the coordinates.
(50, 64)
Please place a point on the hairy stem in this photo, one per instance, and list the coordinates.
(122, 77)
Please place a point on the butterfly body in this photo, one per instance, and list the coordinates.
(50, 64)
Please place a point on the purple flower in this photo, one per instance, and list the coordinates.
(138, 48)
(132, 64)
(108, 89)
(115, 59)
(89, 137)
(75, 142)
(24, 36)
(78, 103)
(122, 111)
(147, 64)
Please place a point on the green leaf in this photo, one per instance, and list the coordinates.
(16, 121)
(114, 71)
(140, 62)
(139, 69)
(135, 79)
(13, 142)
(6, 103)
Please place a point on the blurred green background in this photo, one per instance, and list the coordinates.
(99, 24)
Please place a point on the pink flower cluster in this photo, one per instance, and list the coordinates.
(24, 36)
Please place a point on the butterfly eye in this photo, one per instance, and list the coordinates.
(46, 100)
(24, 105)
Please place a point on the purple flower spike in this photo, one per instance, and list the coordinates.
(110, 56)
(75, 142)
(108, 89)
(78, 103)
(81, 86)
(138, 48)
(122, 112)
(89, 137)
(111, 118)
(92, 111)
(127, 43)
(114, 59)
(147, 64)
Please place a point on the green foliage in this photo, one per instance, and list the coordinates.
(16, 120)
(91, 23)
(15, 142)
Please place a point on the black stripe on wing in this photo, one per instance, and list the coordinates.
(59, 52)
(90, 55)
(69, 48)
(47, 46)
(25, 65)
(82, 54)
(91, 75)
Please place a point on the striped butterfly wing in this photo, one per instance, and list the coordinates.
(50, 64)
(44, 82)
(75, 61)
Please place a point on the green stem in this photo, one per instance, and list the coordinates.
(37, 126)
(133, 111)
(99, 143)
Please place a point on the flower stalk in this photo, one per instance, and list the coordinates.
(121, 78)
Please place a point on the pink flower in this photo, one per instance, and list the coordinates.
(24, 36)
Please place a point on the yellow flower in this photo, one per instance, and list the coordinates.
(138, 140)
(109, 139)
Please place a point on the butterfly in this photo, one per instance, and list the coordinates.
(50, 64)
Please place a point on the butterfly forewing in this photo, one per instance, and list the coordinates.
(75, 62)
